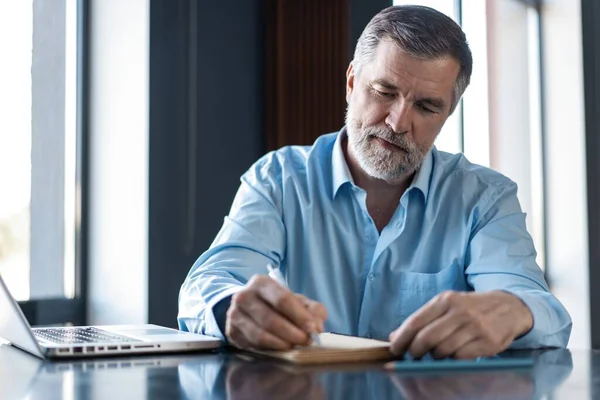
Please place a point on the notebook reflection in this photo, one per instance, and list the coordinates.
(240, 379)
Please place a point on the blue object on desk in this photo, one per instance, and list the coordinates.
(432, 364)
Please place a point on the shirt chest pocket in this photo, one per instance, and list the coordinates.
(417, 288)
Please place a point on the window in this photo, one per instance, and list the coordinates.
(499, 122)
(40, 142)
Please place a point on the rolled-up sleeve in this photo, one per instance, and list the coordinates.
(252, 236)
(501, 256)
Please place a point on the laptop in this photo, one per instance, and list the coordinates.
(92, 341)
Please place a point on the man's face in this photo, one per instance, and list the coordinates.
(397, 105)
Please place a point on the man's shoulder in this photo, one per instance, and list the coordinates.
(296, 160)
(455, 170)
(299, 155)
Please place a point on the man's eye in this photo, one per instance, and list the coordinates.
(384, 94)
(424, 108)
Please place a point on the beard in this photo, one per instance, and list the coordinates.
(378, 161)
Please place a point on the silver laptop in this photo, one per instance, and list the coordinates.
(92, 341)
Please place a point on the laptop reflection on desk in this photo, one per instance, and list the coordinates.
(92, 341)
(131, 377)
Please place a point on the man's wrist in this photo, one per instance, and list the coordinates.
(525, 316)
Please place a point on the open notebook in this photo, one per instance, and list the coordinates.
(335, 348)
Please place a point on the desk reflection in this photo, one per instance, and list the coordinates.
(238, 379)
(233, 377)
(551, 369)
(272, 383)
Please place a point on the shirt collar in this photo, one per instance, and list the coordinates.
(423, 175)
(341, 173)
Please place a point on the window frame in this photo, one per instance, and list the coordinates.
(61, 310)
(537, 6)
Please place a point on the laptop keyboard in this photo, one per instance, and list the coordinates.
(78, 335)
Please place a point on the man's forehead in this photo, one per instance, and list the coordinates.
(395, 66)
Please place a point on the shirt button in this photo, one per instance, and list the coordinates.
(371, 277)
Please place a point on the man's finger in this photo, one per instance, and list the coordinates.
(436, 332)
(315, 308)
(474, 349)
(258, 337)
(404, 335)
(288, 304)
(449, 346)
(236, 338)
(270, 320)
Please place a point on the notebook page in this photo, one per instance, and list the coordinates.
(335, 348)
(335, 341)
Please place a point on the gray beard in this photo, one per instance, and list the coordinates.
(377, 161)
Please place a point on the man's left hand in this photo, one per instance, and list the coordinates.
(463, 325)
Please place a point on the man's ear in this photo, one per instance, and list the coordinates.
(349, 82)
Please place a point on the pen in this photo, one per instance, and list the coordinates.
(275, 273)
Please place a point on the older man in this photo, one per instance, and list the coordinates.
(377, 232)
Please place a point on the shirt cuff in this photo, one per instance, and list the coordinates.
(220, 313)
(212, 327)
(542, 334)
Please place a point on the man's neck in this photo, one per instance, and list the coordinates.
(382, 196)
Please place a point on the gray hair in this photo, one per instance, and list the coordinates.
(422, 32)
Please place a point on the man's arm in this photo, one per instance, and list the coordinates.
(501, 256)
(252, 236)
(511, 305)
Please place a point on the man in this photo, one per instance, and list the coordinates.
(378, 233)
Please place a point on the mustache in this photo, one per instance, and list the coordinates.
(390, 136)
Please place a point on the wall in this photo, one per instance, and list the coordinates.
(118, 123)
(206, 129)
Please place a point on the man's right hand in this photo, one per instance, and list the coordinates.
(268, 316)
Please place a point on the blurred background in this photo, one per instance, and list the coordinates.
(125, 126)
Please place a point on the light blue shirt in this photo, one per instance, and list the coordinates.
(459, 226)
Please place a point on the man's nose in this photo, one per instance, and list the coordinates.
(399, 117)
